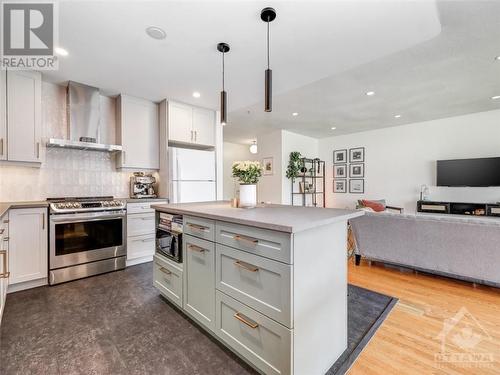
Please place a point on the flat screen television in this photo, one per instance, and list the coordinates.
(469, 172)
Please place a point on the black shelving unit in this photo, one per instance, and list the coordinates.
(310, 183)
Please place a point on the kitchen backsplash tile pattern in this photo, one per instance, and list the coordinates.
(65, 172)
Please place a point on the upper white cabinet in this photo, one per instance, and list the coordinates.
(3, 115)
(23, 119)
(138, 133)
(28, 245)
(190, 125)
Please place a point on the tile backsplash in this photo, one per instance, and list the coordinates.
(64, 172)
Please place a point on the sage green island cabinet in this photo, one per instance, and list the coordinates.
(270, 283)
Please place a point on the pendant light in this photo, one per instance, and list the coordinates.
(223, 48)
(253, 148)
(268, 15)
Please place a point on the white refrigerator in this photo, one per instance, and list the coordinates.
(192, 175)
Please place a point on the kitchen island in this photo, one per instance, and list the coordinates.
(270, 283)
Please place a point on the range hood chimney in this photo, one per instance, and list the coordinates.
(83, 109)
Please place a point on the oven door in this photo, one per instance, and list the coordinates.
(86, 237)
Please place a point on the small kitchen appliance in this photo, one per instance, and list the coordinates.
(87, 236)
(142, 185)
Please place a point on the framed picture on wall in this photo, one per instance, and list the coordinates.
(340, 186)
(268, 166)
(356, 186)
(340, 171)
(339, 156)
(356, 170)
(357, 155)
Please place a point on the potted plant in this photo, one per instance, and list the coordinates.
(248, 174)
(294, 165)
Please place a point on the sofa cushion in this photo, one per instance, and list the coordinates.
(376, 206)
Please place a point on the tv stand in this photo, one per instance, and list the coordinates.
(459, 208)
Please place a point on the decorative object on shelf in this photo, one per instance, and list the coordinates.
(311, 184)
(340, 186)
(340, 171)
(424, 192)
(253, 148)
(357, 170)
(339, 156)
(295, 166)
(356, 186)
(268, 15)
(357, 155)
(223, 48)
(248, 174)
(268, 166)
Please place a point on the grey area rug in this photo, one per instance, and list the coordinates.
(117, 324)
(367, 311)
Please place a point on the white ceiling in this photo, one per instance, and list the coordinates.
(311, 41)
(452, 74)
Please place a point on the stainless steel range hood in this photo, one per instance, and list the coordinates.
(83, 108)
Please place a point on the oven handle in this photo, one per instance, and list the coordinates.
(77, 218)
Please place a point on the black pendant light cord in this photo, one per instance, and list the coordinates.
(223, 70)
(268, 43)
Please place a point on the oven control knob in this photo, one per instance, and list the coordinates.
(105, 204)
(60, 205)
(77, 205)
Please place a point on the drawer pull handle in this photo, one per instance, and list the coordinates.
(253, 241)
(245, 320)
(147, 218)
(197, 227)
(5, 273)
(246, 266)
(147, 239)
(196, 248)
(164, 270)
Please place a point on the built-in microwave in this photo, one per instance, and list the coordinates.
(169, 244)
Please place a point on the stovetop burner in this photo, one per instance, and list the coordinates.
(84, 204)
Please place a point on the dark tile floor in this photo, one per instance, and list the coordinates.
(110, 324)
(117, 323)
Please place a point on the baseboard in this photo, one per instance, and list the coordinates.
(27, 285)
(133, 262)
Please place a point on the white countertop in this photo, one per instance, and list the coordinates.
(290, 219)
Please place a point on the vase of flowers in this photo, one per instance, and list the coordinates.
(247, 173)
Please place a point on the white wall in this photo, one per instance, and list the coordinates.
(398, 160)
(307, 146)
(269, 187)
(233, 152)
(65, 172)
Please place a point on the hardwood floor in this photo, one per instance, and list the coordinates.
(408, 341)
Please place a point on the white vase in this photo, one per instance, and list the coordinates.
(248, 195)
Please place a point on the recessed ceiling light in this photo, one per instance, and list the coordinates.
(495, 97)
(60, 51)
(295, 113)
(196, 94)
(333, 128)
(497, 58)
(370, 93)
(156, 33)
(397, 116)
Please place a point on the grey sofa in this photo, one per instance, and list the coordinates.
(466, 248)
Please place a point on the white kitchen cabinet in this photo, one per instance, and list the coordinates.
(4, 256)
(199, 280)
(3, 115)
(180, 122)
(204, 126)
(24, 116)
(191, 125)
(28, 245)
(138, 133)
(141, 232)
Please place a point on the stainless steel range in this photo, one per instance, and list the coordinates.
(87, 236)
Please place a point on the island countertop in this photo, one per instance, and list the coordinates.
(290, 219)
